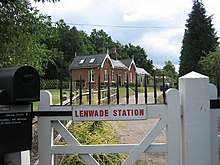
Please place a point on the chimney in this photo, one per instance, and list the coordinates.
(114, 53)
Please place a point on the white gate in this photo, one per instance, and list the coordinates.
(168, 114)
(191, 126)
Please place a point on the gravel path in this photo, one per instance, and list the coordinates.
(133, 132)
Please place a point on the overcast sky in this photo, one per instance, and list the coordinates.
(156, 25)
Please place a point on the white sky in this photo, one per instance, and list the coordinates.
(160, 43)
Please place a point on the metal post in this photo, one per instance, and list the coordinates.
(127, 91)
(117, 90)
(108, 90)
(155, 89)
(145, 88)
(90, 94)
(71, 91)
(80, 91)
(164, 96)
(136, 90)
(99, 91)
(61, 92)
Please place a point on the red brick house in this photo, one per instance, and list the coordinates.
(90, 67)
(130, 64)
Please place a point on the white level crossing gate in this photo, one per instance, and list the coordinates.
(191, 126)
(169, 116)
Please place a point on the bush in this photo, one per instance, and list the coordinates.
(97, 132)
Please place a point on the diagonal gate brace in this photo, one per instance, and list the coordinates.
(72, 140)
(145, 143)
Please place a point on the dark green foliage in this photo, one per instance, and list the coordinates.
(100, 41)
(22, 31)
(211, 65)
(139, 55)
(199, 39)
(30, 38)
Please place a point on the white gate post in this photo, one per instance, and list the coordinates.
(45, 131)
(173, 127)
(195, 102)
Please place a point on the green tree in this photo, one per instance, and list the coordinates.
(211, 64)
(22, 31)
(139, 55)
(71, 41)
(66, 44)
(199, 39)
(169, 70)
(101, 41)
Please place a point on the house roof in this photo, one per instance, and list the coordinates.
(118, 64)
(90, 61)
(141, 71)
(128, 62)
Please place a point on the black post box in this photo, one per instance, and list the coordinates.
(19, 87)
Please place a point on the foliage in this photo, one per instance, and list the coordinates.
(100, 41)
(94, 133)
(199, 39)
(139, 55)
(30, 38)
(211, 64)
(22, 31)
(169, 70)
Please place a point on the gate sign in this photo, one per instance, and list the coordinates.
(109, 112)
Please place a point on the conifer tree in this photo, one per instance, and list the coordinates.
(199, 39)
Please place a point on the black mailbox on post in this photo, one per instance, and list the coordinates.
(19, 87)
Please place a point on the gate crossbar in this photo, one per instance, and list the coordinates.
(85, 151)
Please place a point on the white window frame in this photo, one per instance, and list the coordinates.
(106, 75)
(131, 77)
(91, 75)
(125, 77)
(113, 77)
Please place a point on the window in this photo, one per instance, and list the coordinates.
(92, 60)
(125, 77)
(82, 61)
(113, 76)
(106, 75)
(131, 77)
(91, 75)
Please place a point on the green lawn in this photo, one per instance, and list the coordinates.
(122, 91)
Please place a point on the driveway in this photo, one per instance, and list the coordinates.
(133, 132)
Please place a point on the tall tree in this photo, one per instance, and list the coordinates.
(101, 41)
(68, 42)
(22, 30)
(199, 39)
